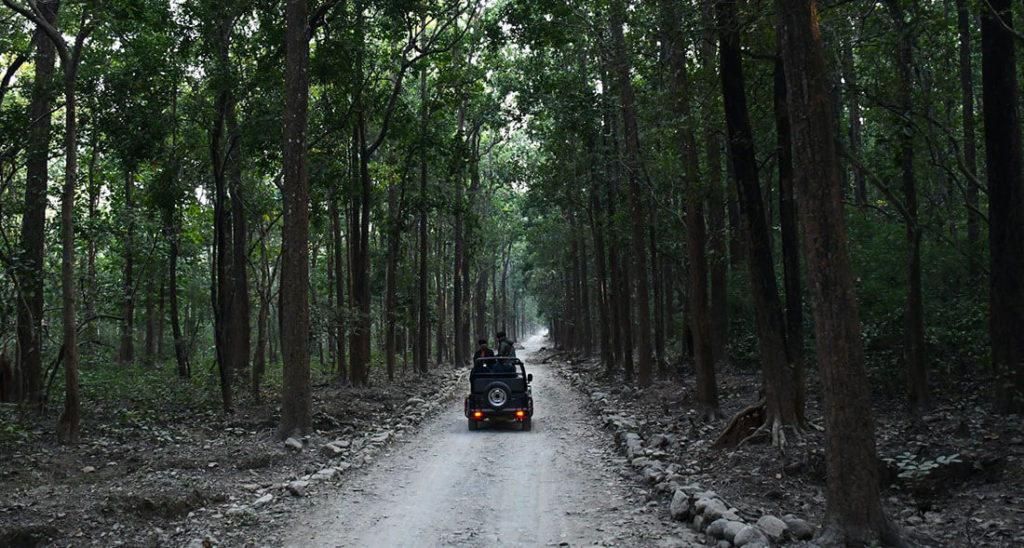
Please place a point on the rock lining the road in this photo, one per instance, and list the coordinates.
(703, 510)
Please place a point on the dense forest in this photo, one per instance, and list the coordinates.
(244, 198)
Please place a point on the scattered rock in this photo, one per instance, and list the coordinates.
(798, 528)
(298, 488)
(88, 469)
(263, 500)
(293, 444)
(750, 536)
(680, 506)
(773, 527)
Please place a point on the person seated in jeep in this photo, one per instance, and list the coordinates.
(483, 351)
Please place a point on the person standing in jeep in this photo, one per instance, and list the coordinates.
(505, 348)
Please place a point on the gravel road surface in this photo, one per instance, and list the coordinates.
(560, 484)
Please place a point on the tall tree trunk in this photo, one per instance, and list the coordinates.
(360, 263)
(222, 153)
(779, 393)
(296, 397)
(172, 231)
(679, 88)
(149, 344)
(637, 196)
(126, 350)
(33, 219)
(259, 362)
(717, 242)
(238, 316)
(391, 285)
(914, 346)
(657, 291)
(441, 284)
(1001, 102)
(860, 188)
(790, 241)
(90, 290)
(853, 514)
(422, 329)
(458, 305)
(587, 337)
(173, 235)
(596, 213)
(970, 137)
(69, 423)
(338, 317)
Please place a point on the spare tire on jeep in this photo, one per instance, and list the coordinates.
(497, 394)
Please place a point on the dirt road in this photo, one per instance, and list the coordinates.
(559, 484)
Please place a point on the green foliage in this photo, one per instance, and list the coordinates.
(914, 469)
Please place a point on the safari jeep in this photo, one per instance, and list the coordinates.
(499, 391)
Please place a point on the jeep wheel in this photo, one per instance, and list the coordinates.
(526, 425)
(497, 394)
(474, 424)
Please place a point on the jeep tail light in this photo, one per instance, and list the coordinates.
(477, 414)
(520, 414)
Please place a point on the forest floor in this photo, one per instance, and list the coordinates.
(158, 471)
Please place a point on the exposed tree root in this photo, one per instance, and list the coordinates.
(752, 424)
(745, 424)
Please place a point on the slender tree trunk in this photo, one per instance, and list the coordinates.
(90, 290)
(707, 391)
(259, 362)
(441, 284)
(600, 253)
(1001, 102)
(914, 346)
(69, 429)
(717, 242)
(860, 188)
(637, 197)
(296, 398)
(126, 352)
(790, 242)
(780, 397)
(222, 153)
(587, 324)
(657, 291)
(339, 285)
(970, 138)
(460, 248)
(853, 514)
(391, 285)
(422, 329)
(180, 353)
(238, 316)
(33, 219)
(149, 348)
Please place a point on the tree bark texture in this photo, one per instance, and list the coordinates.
(126, 350)
(296, 393)
(637, 196)
(963, 18)
(853, 513)
(33, 220)
(794, 332)
(1001, 108)
(780, 396)
(696, 241)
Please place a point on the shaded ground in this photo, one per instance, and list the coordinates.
(174, 472)
(955, 477)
